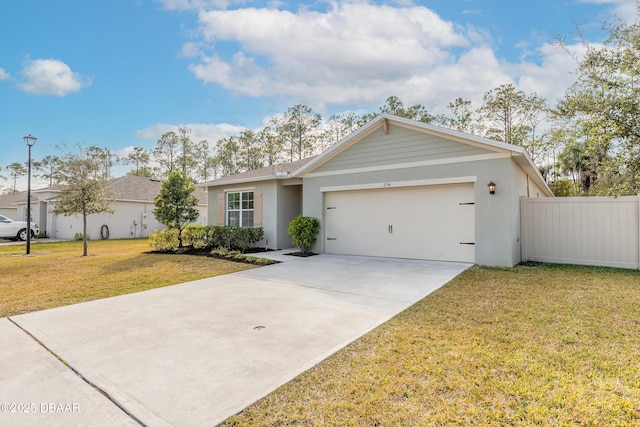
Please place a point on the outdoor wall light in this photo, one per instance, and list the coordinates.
(492, 187)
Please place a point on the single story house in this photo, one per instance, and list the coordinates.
(13, 205)
(133, 211)
(393, 188)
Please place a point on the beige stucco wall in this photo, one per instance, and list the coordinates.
(125, 223)
(280, 204)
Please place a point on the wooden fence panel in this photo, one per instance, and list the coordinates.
(601, 231)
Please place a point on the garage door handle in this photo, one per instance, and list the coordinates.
(467, 243)
(391, 229)
(467, 203)
(331, 238)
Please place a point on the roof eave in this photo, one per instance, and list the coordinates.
(244, 180)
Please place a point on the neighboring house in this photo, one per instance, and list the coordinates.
(132, 206)
(14, 206)
(393, 188)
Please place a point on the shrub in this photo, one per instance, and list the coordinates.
(303, 231)
(164, 240)
(78, 236)
(213, 236)
(244, 238)
(196, 236)
(240, 257)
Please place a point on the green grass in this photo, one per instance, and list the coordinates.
(57, 274)
(542, 345)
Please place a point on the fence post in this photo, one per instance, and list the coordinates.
(523, 229)
(638, 236)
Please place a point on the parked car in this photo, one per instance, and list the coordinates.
(16, 230)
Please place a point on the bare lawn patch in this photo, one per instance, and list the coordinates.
(56, 274)
(532, 345)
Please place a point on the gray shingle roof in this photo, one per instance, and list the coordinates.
(7, 200)
(134, 188)
(275, 171)
(141, 188)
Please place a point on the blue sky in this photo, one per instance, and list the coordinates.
(119, 73)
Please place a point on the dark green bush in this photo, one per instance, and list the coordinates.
(303, 231)
(214, 236)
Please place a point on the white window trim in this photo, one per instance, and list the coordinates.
(240, 210)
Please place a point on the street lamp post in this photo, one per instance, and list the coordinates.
(30, 141)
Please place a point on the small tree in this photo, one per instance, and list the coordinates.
(16, 170)
(175, 204)
(303, 231)
(84, 190)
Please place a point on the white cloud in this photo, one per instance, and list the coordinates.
(622, 9)
(199, 131)
(358, 53)
(51, 77)
(555, 73)
(4, 75)
(190, 50)
(335, 56)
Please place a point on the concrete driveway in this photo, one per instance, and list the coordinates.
(196, 353)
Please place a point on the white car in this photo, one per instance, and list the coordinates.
(16, 230)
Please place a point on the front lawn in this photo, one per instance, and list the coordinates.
(57, 274)
(536, 345)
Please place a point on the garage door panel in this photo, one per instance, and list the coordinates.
(410, 222)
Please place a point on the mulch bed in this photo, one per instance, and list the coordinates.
(189, 250)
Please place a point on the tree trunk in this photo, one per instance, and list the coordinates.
(84, 233)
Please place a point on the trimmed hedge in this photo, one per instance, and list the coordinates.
(164, 240)
(215, 236)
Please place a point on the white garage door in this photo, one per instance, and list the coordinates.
(431, 222)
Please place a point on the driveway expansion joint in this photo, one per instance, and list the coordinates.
(78, 374)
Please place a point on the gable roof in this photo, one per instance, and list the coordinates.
(519, 154)
(133, 189)
(280, 171)
(301, 168)
(11, 199)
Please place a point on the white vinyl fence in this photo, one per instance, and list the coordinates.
(601, 231)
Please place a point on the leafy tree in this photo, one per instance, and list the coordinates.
(16, 170)
(607, 94)
(586, 146)
(48, 168)
(139, 158)
(394, 105)
(270, 146)
(166, 153)
(84, 191)
(104, 158)
(227, 155)
(514, 114)
(250, 153)
(206, 163)
(175, 204)
(462, 119)
(338, 127)
(298, 129)
(186, 158)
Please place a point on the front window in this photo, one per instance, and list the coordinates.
(240, 209)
